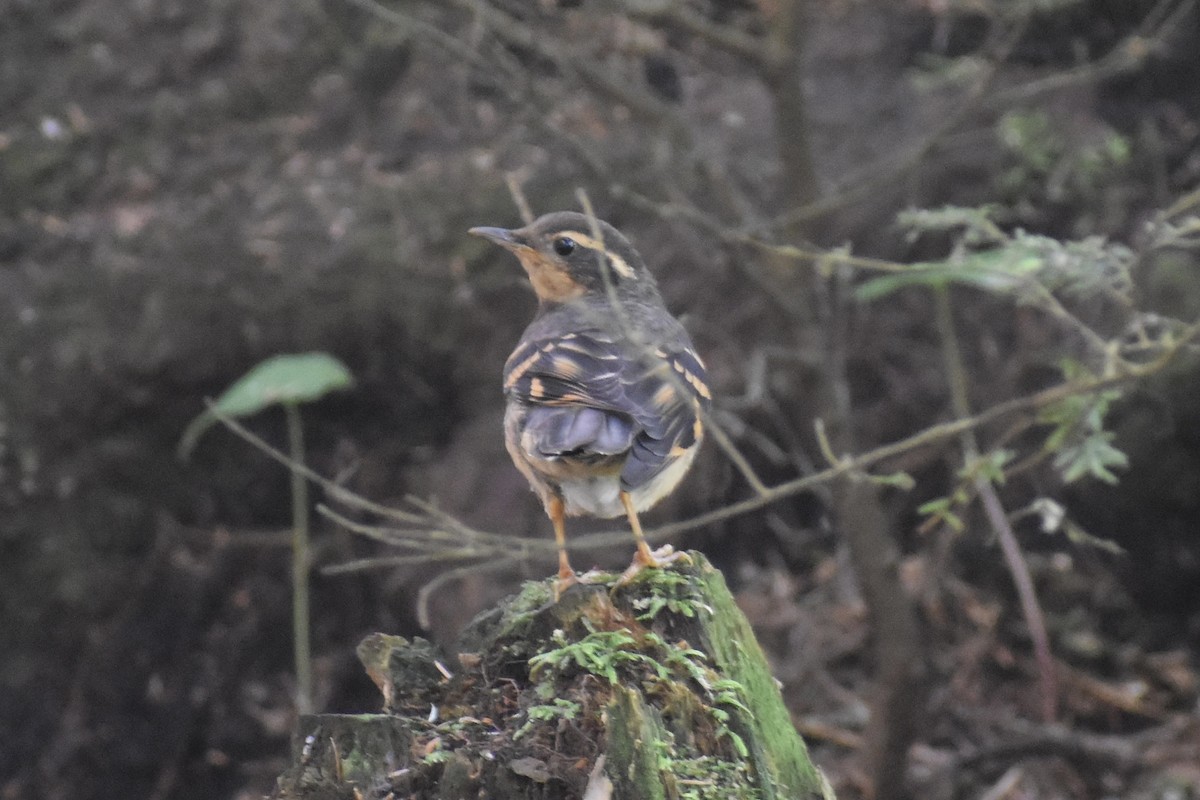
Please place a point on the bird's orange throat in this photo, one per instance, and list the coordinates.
(551, 282)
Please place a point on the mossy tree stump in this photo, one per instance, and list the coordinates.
(657, 690)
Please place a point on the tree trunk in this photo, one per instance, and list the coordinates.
(657, 690)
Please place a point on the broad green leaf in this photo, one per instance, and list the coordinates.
(284, 379)
(932, 276)
(280, 380)
(999, 271)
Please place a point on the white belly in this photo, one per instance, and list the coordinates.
(600, 495)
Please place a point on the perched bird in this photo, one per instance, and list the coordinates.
(605, 396)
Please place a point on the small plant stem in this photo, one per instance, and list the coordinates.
(300, 613)
(1031, 609)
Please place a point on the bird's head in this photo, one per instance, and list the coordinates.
(569, 255)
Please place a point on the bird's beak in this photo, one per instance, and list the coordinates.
(509, 240)
(550, 278)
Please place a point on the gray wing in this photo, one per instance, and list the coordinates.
(588, 399)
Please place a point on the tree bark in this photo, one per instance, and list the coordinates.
(655, 690)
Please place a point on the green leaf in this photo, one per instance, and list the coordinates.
(896, 480)
(975, 224)
(280, 380)
(1093, 456)
(1077, 535)
(989, 466)
(1000, 271)
(284, 379)
(942, 509)
(931, 276)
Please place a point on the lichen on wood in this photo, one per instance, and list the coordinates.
(656, 689)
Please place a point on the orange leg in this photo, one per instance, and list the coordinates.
(566, 576)
(644, 557)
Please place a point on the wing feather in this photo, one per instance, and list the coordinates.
(589, 398)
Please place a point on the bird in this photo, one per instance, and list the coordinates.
(605, 395)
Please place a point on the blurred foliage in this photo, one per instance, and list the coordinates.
(1045, 165)
(1060, 279)
(281, 380)
(1022, 265)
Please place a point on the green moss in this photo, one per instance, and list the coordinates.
(774, 746)
(635, 738)
(560, 709)
(672, 592)
(708, 778)
(661, 676)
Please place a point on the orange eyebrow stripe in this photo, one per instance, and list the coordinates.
(620, 265)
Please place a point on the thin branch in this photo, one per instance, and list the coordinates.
(1128, 55)
(861, 463)
(1188, 202)
(858, 187)
(749, 48)
(519, 199)
(426, 592)
(641, 103)
(1018, 568)
(428, 521)
(1031, 607)
(423, 30)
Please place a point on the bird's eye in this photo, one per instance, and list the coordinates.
(564, 246)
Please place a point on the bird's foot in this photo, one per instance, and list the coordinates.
(564, 581)
(567, 579)
(653, 559)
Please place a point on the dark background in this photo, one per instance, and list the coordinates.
(189, 188)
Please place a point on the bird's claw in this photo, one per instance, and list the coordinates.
(566, 580)
(653, 559)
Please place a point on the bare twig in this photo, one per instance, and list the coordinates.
(639, 102)
(749, 48)
(426, 592)
(519, 198)
(1031, 609)
(426, 30)
(858, 187)
(482, 544)
(1128, 55)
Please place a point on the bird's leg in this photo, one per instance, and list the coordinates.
(566, 576)
(644, 557)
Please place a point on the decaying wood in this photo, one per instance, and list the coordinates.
(653, 690)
